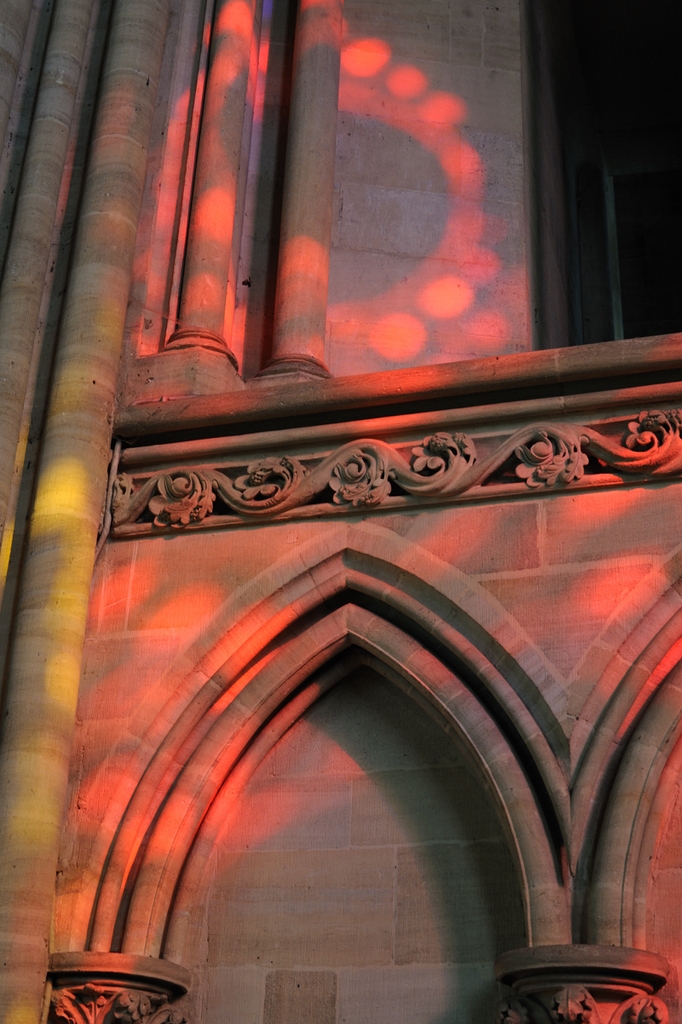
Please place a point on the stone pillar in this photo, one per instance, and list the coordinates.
(303, 271)
(582, 984)
(23, 282)
(215, 217)
(112, 988)
(14, 19)
(51, 613)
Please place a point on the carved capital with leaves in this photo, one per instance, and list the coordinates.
(107, 1004)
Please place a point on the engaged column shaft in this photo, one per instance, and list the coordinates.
(303, 270)
(214, 216)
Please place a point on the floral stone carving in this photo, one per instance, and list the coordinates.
(583, 984)
(361, 479)
(512, 1011)
(366, 473)
(182, 498)
(106, 1004)
(551, 459)
(642, 1010)
(574, 1005)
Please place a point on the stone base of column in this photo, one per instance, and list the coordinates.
(180, 373)
(582, 984)
(200, 337)
(302, 367)
(116, 988)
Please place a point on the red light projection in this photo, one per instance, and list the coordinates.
(427, 260)
(460, 298)
(170, 672)
(365, 58)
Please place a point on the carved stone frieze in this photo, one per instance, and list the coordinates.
(368, 473)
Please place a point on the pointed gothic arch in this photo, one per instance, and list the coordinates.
(350, 598)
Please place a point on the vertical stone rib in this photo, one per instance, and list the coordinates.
(214, 218)
(303, 271)
(29, 250)
(50, 623)
(14, 19)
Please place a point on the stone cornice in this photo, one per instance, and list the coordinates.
(644, 363)
(124, 968)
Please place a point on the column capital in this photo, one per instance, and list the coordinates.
(582, 984)
(116, 988)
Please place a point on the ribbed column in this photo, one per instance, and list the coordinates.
(45, 664)
(25, 269)
(303, 270)
(14, 19)
(214, 224)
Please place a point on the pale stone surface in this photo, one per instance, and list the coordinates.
(587, 600)
(455, 902)
(633, 522)
(235, 996)
(497, 538)
(417, 994)
(300, 997)
(419, 875)
(307, 908)
(431, 805)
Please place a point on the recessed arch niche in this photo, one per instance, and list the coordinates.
(357, 871)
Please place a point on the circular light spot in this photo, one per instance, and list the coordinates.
(406, 82)
(398, 336)
(446, 297)
(365, 57)
(443, 108)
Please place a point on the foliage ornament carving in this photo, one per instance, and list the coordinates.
(512, 1011)
(365, 473)
(268, 483)
(106, 1004)
(362, 478)
(551, 459)
(574, 1005)
(642, 1010)
(182, 498)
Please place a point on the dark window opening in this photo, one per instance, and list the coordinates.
(604, 106)
(649, 229)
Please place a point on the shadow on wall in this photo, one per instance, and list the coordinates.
(365, 873)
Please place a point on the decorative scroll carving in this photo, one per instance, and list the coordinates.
(574, 1005)
(365, 473)
(182, 498)
(268, 483)
(104, 1004)
(641, 1010)
(551, 459)
(361, 479)
(512, 1011)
